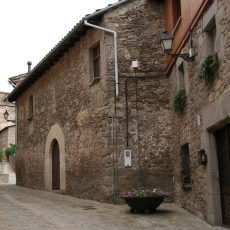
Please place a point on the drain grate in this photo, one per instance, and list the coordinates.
(88, 207)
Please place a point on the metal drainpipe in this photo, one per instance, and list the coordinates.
(115, 51)
(116, 199)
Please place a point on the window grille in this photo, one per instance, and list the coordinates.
(185, 164)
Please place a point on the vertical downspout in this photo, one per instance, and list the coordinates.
(138, 140)
(116, 177)
(114, 172)
(127, 113)
(116, 200)
(115, 51)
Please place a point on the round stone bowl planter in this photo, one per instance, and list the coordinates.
(143, 204)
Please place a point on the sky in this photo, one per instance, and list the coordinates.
(30, 29)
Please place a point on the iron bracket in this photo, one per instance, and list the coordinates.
(183, 56)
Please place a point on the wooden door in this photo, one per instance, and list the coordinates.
(223, 144)
(56, 167)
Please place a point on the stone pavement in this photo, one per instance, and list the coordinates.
(23, 208)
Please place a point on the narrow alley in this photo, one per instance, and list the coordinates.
(23, 208)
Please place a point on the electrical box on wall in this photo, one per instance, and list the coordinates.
(127, 157)
(135, 64)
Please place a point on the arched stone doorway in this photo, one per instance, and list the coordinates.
(56, 166)
(55, 145)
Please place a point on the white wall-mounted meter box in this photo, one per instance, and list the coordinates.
(135, 64)
(127, 157)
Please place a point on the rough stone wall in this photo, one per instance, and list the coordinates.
(11, 110)
(7, 137)
(198, 96)
(84, 110)
(12, 162)
(4, 178)
(140, 25)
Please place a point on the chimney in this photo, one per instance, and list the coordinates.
(29, 63)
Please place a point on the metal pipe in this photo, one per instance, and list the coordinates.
(114, 172)
(29, 63)
(127, 113)
(138, 142)
(115, 112)
(115, 51)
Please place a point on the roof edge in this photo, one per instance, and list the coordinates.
(18, 90)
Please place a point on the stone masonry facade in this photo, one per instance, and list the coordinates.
(85, 111)
(195, 125)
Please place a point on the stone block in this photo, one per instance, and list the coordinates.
(209, 15)
(220, 15)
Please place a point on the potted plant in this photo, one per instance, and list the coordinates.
(208, 67)
(215, 57)
(179, 101)
(143, 200)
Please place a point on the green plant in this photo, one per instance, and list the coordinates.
(10, 150)
(0, 156)
(205, 73)
(179, 101)
(142, 192)
(215, 57)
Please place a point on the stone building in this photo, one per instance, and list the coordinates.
(203, 125)
(78, 111)
(7, 129)
(67, 111)
(7, 137)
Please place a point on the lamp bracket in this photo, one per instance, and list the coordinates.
(13, 121)
(186, 57)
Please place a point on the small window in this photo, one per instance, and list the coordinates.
(185, 165)
(180, 77)
(210, 39)
(31, 107)
(96, 62)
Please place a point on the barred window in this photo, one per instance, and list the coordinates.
(185, 164)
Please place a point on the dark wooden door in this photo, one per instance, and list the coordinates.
(223, 144)
(56, 167)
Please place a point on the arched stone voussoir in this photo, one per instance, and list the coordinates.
(55, 133)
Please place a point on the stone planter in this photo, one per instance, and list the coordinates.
(143, 204)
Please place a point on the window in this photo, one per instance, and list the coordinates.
(180, 77)
(176, 7)
(96, 62)
(210, 40)
(213, 38)
(31, 107)
(185, 165)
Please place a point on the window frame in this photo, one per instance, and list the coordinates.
(185, 172)
(96, 61)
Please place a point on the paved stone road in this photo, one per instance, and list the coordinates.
(23, 208)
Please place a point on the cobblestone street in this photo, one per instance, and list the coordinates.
(23, 208)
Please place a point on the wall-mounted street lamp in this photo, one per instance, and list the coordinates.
(6, 115)
(166, 43)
